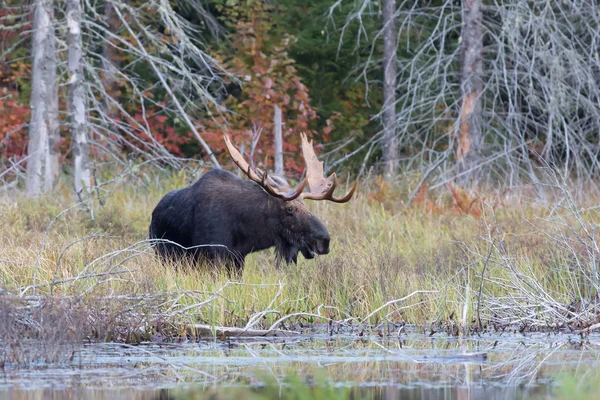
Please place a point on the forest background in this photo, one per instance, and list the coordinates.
(478, 93)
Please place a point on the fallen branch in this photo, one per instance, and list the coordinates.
(587, 330)
(389, 303)
(200, 330)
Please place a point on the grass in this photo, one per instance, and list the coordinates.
(524, 264)
(571, 387)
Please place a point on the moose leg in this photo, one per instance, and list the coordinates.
(235, 267)
(169, 253)
(225, 256)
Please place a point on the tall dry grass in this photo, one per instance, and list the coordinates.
(519, 263)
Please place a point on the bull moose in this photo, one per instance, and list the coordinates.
(224, 218)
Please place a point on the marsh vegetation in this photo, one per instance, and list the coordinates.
(509, 275)
(510, 261)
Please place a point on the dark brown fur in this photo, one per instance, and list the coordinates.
(221, 217)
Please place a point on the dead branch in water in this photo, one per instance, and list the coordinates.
(201, 330)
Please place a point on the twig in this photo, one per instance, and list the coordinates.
(389, 303)
(37, 261)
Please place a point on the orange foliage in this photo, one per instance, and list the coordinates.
(383, 192)
(462, 202)
(422, 200)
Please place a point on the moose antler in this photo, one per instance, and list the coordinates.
(320, 187)
(268, 183)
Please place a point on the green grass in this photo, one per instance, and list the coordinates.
(379, 252)
(570, 387)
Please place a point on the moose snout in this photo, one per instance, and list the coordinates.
(319, 241)
(322, 246)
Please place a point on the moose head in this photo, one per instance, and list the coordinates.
(302, 230)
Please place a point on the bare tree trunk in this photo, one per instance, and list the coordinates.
(77, 101)
(42, 163)
(278, 141)
(469, 133)
(390, 142)
(110, 63)
(52, 162)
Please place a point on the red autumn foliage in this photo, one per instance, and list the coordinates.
(14, 112)
(14, 115)
(162, 130)
(259, 60)
(13, 119)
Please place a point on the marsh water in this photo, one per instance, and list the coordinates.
(409, 366)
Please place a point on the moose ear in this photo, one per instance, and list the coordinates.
(280, 182)
(276, 181)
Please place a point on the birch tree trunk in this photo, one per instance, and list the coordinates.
(469, 133)
(277, 124)
(42, 162)
(77, 100)
(390, 142)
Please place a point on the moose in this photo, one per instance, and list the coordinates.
(222, 218)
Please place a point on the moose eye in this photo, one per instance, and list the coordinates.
(290, 210)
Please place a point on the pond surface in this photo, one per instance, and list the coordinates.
(412, 366)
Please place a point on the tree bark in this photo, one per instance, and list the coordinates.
(77, 100)
(110, 62)
(52, 162)
(390, 141)
(469, 131)
(42, 162)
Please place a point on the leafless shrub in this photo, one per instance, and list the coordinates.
(44, 330)
(51, 329)
(563, 292)
(181, 67)
(541, 72)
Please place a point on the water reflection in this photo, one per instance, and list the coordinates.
(413, 367)
(383, 393)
